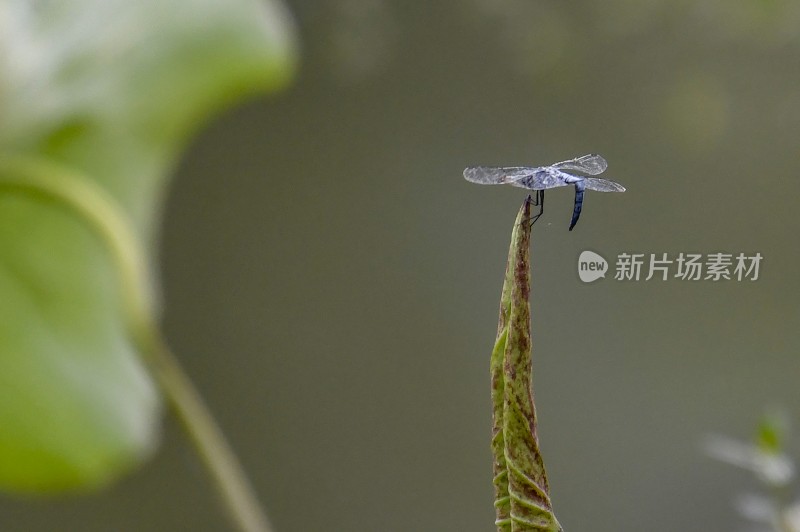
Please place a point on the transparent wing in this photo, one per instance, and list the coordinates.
(591, 164)
(541, 180)
(497, 175)
(602, 185)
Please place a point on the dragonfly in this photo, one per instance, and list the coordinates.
(540, 178)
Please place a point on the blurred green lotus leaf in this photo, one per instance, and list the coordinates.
(109, 90)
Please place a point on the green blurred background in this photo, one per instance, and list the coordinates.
(331, 281)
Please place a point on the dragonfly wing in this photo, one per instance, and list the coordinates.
(590, 164)
(540, 180)
(603, 185)
(497, 175)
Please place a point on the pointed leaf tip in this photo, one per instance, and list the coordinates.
(522, 492)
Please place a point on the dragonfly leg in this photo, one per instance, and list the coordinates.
(537, 202)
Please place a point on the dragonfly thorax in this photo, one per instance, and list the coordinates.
(561, 175)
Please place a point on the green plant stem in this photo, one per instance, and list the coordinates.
(779, 495)
(104, 217)
(209, 441)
